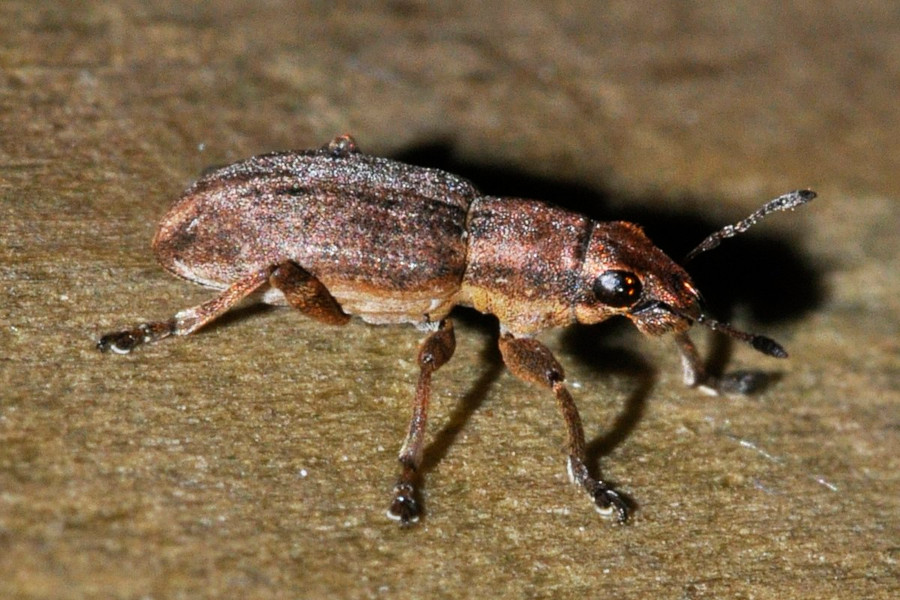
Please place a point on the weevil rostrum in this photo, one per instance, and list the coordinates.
(333, 233)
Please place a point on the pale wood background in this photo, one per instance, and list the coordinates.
(255, 459)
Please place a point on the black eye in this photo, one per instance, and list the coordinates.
(618, 288)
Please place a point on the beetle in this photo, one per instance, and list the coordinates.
(334, 232)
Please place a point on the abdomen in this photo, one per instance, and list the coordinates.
(387, 239)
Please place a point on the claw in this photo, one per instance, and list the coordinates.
(123, 342)
(120, 342)
(404, 508)
(608, 502)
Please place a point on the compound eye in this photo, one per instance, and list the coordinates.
(618, 288)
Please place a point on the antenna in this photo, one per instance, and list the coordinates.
(759, 342)
(788, 201)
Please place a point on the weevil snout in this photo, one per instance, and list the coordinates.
(628, 275)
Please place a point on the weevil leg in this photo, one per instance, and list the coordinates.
(693, 372)
(533, 362)
(435, 350)
(186, 321)
(696, 375)
(301, 290)
(307, 294)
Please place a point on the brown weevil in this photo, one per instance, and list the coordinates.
(334, 232)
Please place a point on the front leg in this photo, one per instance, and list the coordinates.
(696, 375)
(531, 361)
(435, 350)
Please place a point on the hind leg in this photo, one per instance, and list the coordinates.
(186, 321)
(301, 290)
(307, 294)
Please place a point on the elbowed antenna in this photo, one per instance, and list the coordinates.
(759, 342)
(788, 201)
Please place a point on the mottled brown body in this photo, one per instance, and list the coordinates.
(333, 232)
(396, 243)
(387, 240)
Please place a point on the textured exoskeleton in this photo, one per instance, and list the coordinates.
(334, 232)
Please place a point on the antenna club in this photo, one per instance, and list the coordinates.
(760, 343)
(768, 346)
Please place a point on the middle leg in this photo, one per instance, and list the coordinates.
(697, 376)
(436, 349)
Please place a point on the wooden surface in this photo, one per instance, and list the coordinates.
(255, 459)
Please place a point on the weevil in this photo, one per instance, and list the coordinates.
(334, 232)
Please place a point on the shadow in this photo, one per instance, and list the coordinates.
(741, 382)
(467, 406)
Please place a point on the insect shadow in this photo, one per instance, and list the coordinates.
(444, 438)
(763, 274)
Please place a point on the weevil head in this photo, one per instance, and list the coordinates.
(625, 274)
